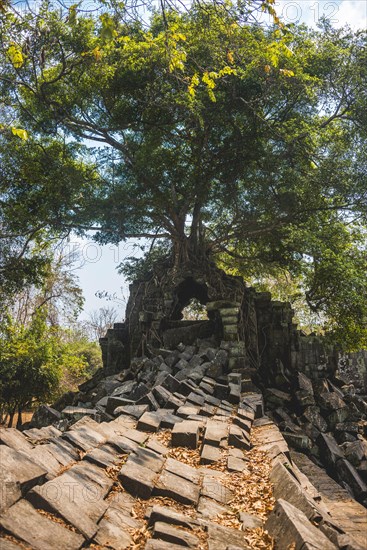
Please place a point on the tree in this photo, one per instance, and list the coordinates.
(29, 365)
(100, 320)
(225, 137)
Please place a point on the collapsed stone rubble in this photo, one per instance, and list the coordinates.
(124, 446)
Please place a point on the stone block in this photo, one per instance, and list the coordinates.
(175, 535)
(235, 464)
(238, 438)
(216, 433)
(137, 480)
(346, 472)
(15, 439)
(289, 525)
(256, 402)
(77, 496)
(182, 470)
(329, 449)
(186, 434)
(18, 475)
(249, 521)
(135, 411)
(223, 538)
(149, 422)
(171, 383)
(212, 488)
(168, 515)
(147, 458)
(175, 487)
(210, 455)
(37, 531)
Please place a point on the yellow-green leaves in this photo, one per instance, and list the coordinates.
(177, 55)
(15, 55)
(72, 14)
(209, 79)
(19, 132)
(286, 72)
(108, 30)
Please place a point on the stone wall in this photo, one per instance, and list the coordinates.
(258, 332)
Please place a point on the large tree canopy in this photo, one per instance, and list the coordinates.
(227, 138)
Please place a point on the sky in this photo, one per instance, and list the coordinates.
(97, 264)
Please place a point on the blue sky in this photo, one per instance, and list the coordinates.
(98, 263)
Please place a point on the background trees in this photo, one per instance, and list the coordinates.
(229, 139)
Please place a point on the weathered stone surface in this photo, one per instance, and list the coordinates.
(168, 515)
(312, 414)
(15, 439)
(187, 410)
(84, 437)
(169, 533)
(77, 496)
(113, 529)
(289, 525)
(175, 487)
(44, 416)
(235, 464)
(329, 448)
(137, 480)
(136, 411)
(149, 422)
(216, 433)
(75, 413)
(347, 472)
(195, 399)
(18, 475)
(38, 531)
(116, 401)
(256, 402)
(238, 438)
(209, 508)
(156, 544)
(212, 488)
(103, 457)
(183, 470)
(210, 454)
(286, 487)
(186, 434)
(298, 441)
(249, 521)
(6, 544)
(331, 401)
(221, 538)
(147, 458)
(356, 451)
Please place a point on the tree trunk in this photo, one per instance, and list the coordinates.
(19, 420)
(11, 417)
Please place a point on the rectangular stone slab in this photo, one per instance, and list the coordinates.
(147, 458)
(288, 524)
(175, 535)
(77, 496)
(216, 433)
(137, 480)
(210, 454)
(182, 470)
(212, 488)
(18, 474)
(175, 487)
(85, 438)
(38, 531)
(149, 422)
(15, 439)
(186, 434)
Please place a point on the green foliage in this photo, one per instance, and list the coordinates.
(232, 140)
(29, 363)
